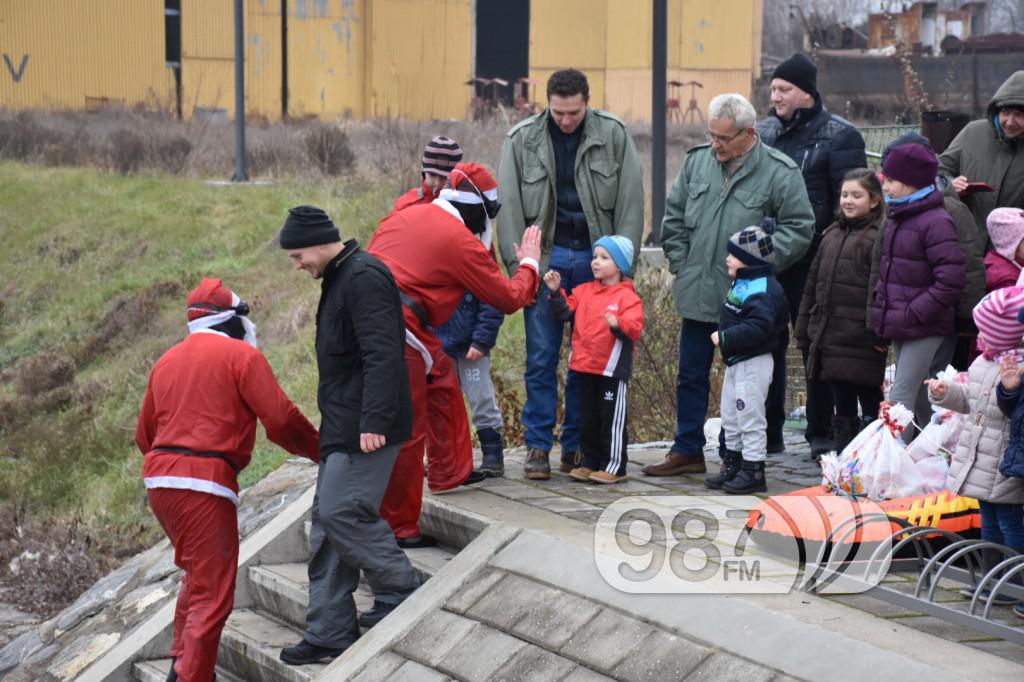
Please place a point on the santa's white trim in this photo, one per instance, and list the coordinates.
(200, 485)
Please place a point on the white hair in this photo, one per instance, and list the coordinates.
(734, 107)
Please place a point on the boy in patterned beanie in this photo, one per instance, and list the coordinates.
(754, 318)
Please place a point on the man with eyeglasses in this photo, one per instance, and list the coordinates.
(825, 147)
(732, 182)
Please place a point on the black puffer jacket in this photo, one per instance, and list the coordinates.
(360, 350)
(833, 324)
(825, 147)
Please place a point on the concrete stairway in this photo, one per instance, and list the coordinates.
(270, 615)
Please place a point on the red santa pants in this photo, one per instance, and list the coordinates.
(441, 426)
(204, 531)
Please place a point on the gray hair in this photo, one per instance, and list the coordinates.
(735, 107)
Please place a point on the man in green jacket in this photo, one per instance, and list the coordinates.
(731, 183)
(991, 150)
(574, 171)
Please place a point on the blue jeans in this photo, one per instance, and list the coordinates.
(1003, 523)
(543, 348)
(696, 353)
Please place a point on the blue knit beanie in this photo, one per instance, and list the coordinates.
(621, 251)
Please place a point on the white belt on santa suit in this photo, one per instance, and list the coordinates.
(411, 339)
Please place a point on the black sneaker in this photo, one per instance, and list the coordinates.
(417, 542)
(306, 652)
(367, 619)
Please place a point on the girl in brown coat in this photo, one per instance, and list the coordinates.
(834, 323)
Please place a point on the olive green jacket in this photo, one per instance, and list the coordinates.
(608, 180)
(704, 209)
(983, 154)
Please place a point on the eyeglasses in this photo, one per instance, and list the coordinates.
(721, 139)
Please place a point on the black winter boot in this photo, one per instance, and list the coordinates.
(492, 444)
(750, 479)
(731, 461)
(844, 428)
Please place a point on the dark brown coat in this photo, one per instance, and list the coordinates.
(834, 320)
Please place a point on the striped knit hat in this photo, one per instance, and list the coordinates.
(999, 330)
(440, 156)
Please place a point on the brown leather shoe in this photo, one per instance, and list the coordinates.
(676, 463)
(570, 460)
(537, 467)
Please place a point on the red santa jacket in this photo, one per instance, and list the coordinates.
(435, 260)
(204, 396)
(414, 197)
(596, 347)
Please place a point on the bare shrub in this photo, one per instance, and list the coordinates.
(396, 150)
(171, 153)
(328, 147)
(652, 388)
(127, 150)
(511, 407)
(43, 372)
(46, 564)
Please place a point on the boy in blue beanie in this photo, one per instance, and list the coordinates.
(608, 319)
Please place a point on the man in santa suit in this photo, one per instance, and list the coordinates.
(435, 259)
(197, 428)
(439, 158)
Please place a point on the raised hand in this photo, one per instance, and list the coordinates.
(552, 280)
(1009, 372)
(531, 244)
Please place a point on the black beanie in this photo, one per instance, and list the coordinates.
(800, 71)
(473, 215)
(307, 226)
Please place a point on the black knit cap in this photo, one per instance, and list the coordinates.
(307, 226)
(800, 71)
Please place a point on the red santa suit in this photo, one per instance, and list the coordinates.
(196, 429)
(415, 196)
(435, 259)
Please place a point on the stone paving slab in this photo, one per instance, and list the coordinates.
(534, 664)
(722, 666)
(434, 636)
(660, 656)
(480, 654)
(606, 640)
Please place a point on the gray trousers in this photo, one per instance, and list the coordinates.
(348, 535)
(916, 360)
(475, 378)
(744, 391)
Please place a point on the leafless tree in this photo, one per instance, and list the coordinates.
(1009, 13)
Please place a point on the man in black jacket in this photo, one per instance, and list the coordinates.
(825, 147)
(366, 411)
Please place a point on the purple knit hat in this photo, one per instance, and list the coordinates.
(912, 164)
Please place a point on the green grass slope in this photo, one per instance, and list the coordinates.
(94, 271)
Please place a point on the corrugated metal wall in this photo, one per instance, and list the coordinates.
(405, 58)
(207, 57)
(327, 58)
(715, 42)
(422, 56)
(60, 54)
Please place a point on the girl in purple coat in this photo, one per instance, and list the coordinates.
(920, 279)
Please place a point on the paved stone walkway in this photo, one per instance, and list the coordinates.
(791, 470)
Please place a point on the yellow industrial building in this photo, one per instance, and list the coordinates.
(361, 58)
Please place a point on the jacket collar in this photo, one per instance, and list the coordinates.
(539, 138)
(801, 117)
(351, 246)
(931, 200)
(753, 271)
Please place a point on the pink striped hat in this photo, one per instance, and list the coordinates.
(996, 317)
